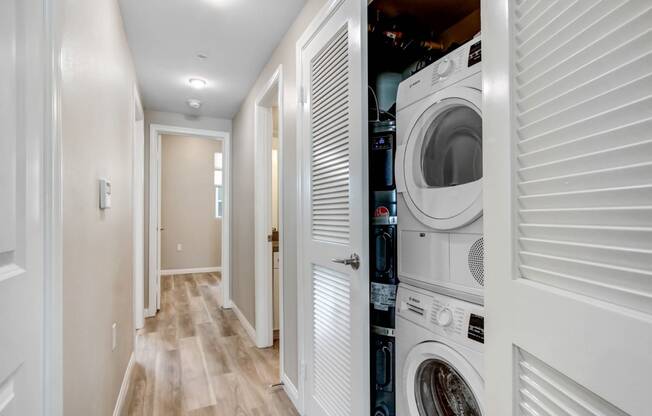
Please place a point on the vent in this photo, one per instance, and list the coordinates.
(545, 391)
(476, 261)
(332, 340)
(583, 93)
(329, 117)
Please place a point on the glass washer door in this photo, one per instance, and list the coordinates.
(441, 391)
(438, 381)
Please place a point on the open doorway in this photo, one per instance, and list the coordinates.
(269, 215)
(189, 207)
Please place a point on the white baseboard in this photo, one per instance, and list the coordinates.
(247, 326)
(291, 391)
(124, 387)
(169, 272)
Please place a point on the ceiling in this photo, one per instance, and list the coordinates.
(237, 36)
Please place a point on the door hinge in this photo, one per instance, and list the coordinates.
(301, 95)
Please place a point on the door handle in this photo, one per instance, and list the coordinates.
(353, 261)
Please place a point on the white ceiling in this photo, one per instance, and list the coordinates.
(238, 36)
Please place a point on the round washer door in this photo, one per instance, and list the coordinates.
(440, 382)
(442, 160)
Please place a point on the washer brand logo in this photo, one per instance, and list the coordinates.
(413, 299)
(415, 83)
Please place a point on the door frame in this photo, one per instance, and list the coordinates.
(154, 258)
(272, 93)
(138, 208)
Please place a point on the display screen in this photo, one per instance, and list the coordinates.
(475, 54)
(476, 328)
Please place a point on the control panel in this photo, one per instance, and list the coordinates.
(454, 319)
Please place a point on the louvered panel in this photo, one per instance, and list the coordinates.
(544, 391)
(583, 85)
(329, 115)
(626, 21)
(331, 340)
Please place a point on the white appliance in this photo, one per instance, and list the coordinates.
(439, 353)
(439, 175)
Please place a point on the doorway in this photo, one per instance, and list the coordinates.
(269, 214)
(220, 203)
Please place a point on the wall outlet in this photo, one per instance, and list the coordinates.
(179, 247)
(114, 336)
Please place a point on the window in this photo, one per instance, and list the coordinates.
(219, 188)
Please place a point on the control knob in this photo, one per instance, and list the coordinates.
(445, 67)
(445, 317)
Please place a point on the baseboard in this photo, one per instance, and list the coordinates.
(291, 391)
(247, 326)
(124, 387)
(169, 272)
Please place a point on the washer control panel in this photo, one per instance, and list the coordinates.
(454, 319)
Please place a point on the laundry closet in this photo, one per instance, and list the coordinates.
(425, 192)
(475, 218)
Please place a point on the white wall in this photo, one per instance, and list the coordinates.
(188, 203)
(97, 106)
(178, 120)
(243, 186)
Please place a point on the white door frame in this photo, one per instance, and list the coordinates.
(138, 210)
(155, 132)
(271, 94)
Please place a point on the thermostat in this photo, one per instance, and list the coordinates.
(105, 194)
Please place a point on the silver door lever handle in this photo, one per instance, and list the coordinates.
(353, 261)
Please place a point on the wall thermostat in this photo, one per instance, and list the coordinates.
(105, 194)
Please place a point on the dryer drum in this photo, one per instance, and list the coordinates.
(476, 261)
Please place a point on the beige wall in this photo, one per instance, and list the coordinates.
(188, 203)
(243, 185)
(97, 115)
(177, 120)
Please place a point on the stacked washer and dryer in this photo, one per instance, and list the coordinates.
(439, 312)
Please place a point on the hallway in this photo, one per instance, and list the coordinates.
(195, 358)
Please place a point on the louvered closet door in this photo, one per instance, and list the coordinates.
(568, 224)
(332, 134)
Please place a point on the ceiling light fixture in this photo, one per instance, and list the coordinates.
(202, 56)
(194, 103)
(197, 83)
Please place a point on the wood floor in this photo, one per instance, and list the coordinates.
(196, 359)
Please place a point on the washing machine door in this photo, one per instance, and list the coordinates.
(441, 166)
(438, 381)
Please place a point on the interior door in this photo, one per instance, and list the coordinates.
(22, 101)
(333, 263)
(568, 221)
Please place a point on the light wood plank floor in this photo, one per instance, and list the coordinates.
(196, 359)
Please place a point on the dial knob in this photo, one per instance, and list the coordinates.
(445, 317)
(445, 67)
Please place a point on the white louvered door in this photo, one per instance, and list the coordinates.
(568, 219)
(332, 134)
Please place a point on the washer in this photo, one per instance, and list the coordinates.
(439, 352)
(439, 175)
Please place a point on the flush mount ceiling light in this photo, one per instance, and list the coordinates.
(202, 56)
(197, 83)
(194, 103)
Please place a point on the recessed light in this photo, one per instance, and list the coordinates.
(194, 103)
(197, 83)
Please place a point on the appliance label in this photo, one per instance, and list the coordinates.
(383, 296)
(381, 212)
(475, 54)
(476, 328)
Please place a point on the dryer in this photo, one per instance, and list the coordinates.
(439, 176)
(440, 355)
